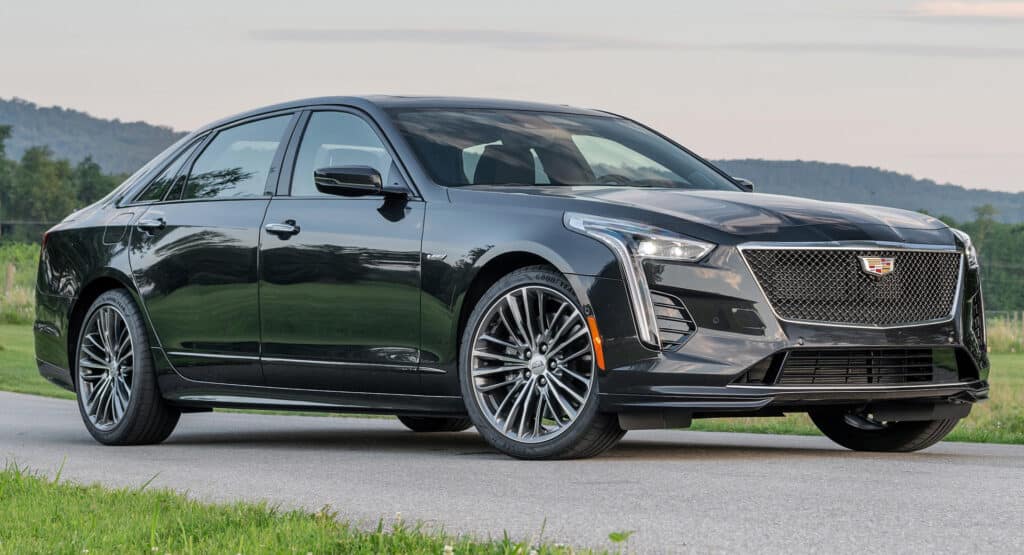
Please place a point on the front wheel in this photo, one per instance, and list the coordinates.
(527, 370)
(861, 432)
(115, 381)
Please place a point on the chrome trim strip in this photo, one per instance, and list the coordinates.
(849, 388)
(211, 355)
(242, 400)
(848, 246)
(337, 363)
(408, 367)
(430, 370)
(855, 246)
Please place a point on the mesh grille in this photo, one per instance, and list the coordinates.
(830, 286)
(675, 325)
(842, 367)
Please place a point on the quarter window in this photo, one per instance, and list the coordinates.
(238, 161)
(168, 178)
(336, 139)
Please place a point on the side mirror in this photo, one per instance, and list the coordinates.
(745, 184)
(348, 181)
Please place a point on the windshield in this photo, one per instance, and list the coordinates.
(510, 147)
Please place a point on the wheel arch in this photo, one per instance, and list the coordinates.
(496, 264)
(108, 280)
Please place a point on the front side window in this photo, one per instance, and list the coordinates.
(527, 148)
(337, 139)
(237, 161)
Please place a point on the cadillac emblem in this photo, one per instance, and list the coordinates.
(877, 265)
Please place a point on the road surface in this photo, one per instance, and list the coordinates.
(680, 491)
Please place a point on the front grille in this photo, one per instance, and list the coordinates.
(857, 367)
(675, 325)
(829, 286)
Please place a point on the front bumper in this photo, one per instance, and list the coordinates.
(737, 330)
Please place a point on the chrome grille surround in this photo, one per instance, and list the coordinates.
(823, 283)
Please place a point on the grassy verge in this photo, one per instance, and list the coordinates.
(18, 262)
(998, 420)
(43, 516)
(18, 370)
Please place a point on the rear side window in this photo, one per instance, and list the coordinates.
(336, 139)
(237, 161)
(157, 189)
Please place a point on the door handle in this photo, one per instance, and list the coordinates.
(151, 225)
(283, 230)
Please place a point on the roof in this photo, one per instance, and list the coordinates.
(370, 102)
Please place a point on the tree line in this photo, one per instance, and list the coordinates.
(1001, 252)
(39, 190)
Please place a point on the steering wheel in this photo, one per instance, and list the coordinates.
(613, 179)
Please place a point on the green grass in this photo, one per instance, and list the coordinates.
(18, 370)
(18, 263)
(38, 515)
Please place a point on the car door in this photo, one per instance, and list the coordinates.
(194, 252)
(340, 285)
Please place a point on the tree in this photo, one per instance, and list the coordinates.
(90, 183)
(42, 189)
(984, 218)
(6, 173)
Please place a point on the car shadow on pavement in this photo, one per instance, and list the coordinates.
(469, 443)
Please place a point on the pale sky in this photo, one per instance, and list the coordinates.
(930, 88)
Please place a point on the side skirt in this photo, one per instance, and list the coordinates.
(187, 393)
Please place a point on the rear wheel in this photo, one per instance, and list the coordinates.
(527, 370)
(861, 432)
(435, 424)
(115, 381)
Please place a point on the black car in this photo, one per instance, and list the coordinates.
(551, 275)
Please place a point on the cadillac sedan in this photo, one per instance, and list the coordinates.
(552, 276)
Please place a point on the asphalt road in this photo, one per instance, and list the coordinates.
(680, 491)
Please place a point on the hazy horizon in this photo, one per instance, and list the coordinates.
(926, 88)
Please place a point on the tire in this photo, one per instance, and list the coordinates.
(145, 418)
(435, 424)
(587, 433)
(894, 437)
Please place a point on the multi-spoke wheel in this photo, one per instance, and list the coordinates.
(528, 372)
(116, 385)
(105, 367)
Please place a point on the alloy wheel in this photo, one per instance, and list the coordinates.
(106, 367)
(532, 364)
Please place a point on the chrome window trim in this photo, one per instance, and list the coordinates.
(855, 246)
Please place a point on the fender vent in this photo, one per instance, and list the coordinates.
(675, 325)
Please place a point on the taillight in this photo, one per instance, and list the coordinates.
(46, 235)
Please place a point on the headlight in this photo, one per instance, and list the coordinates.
(632, 243)
(969, 251)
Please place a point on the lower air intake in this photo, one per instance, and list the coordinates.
(857, 367)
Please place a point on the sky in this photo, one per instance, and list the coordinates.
(930, 88)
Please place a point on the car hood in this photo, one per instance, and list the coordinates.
(758, 216)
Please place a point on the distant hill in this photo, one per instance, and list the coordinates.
(839, 182)
(117, 146)
(121, 147)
